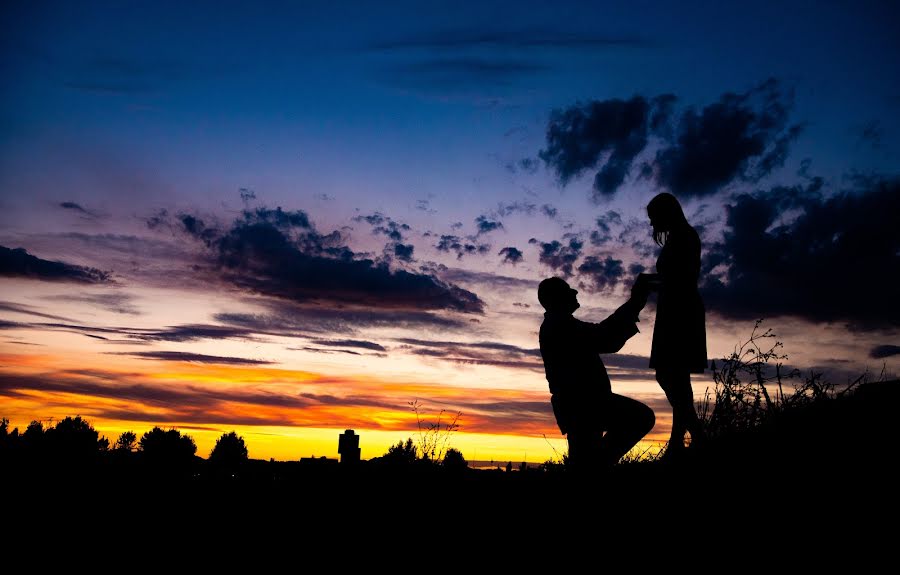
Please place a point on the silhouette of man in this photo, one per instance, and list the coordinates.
(583, 402)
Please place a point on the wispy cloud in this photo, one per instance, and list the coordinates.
(193, 357)
(19, 263)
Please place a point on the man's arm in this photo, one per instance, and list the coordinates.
(610, 335)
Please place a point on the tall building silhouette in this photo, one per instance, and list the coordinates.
(348, 447)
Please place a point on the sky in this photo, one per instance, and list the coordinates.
(294, 218)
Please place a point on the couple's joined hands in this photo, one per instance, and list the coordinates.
(643, 285)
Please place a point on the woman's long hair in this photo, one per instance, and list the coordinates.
(668, 214)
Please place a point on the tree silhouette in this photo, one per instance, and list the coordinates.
(73, 438)
(454, 460)
(33, 438)
(229, 452)
(126, 443)
(401, 454)
(168, 450)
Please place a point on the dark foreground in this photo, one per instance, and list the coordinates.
(826, 470)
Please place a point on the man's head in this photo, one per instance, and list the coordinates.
(556, 296)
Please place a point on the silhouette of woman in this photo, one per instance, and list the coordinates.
(679, 336)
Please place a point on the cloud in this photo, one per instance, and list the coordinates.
(116, 302)
(478, 353)
(607, 134)
(403, 252)
(495, 281)
(517, 207)
(83, 212)
(280, 254)
(740, 137)
(461, 247)
(559, 256)
(384, 225)
(353, 343)
(30, 310)
(179, 333)
(290, 319)
(193, 357)
(603, 232)
(485, 225)
(19, 263)
(394, 231)
(600, 274)
(549, 211)
(511, 255)
(425, 206)
(832, 261)
(882, 351)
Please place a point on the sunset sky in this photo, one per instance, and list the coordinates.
(293, 218)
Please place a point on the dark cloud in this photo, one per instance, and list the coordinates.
(520, 304)
(559, 256)
(598, 274)
(510, 255)
(190, 332)
(76, 208)
(394, 231)
(19, 263)
(246, 194)
(485, 225)
(607, 133)
(279, 253)
(882, 351)
(603, 231)
(179, 333)
(384, 225)
(740, 137)
(193, 357)
(831, 261)
(321, 350)
(354, 343)
(549, 211)
(403, 252)
(460, 246)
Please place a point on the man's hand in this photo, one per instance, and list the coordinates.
(640, 291)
